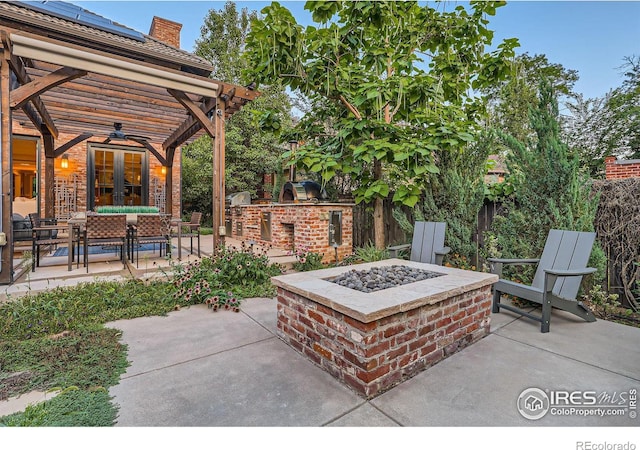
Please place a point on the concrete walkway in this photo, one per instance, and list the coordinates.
(200, 368)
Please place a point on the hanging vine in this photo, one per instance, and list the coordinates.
(617, 223)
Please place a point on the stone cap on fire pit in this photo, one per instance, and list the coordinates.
(367, 307)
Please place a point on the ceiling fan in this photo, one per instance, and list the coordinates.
(118, 135)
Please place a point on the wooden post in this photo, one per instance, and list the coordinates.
(49, 173)
(222, 157)
(218, 173)
(216, 184)
(168, 183)
(6, 271)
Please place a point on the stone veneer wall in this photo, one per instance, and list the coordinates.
(78, 165)
(619, 169)
(295, 225)
(372, 357)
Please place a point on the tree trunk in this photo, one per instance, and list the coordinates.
(378, 223)
(378, 211)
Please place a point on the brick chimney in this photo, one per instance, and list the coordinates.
(166, 31)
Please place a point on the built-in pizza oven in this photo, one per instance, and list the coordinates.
(303, 191)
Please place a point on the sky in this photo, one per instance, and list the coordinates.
(592, 37)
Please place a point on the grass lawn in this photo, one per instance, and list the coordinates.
(57, 339)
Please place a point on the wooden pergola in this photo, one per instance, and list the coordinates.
(62, 78)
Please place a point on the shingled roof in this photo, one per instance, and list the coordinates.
(151, 49)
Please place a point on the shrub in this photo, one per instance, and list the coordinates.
(127, 209)
(369, 253)
(455, 195)
(226, 278)
(604, 305)
(307, 260)
(551, 192)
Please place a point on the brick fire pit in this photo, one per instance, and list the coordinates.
(373, 341)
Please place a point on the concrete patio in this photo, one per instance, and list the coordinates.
(199, 368)
(196, 368)
(53, 270)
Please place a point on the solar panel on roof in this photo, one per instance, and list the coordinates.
(81, 16)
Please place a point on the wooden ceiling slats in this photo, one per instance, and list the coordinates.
(110, 103)
(91, 83)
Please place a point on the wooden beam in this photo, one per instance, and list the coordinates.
(34, 88)
(194, 109)
(228, 96)
(76, 140)
(23, 77)
(150, 147)
(33, 116)
(189, 127)
(180, 136)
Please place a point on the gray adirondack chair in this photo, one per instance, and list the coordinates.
(557, 280)
(427, 245)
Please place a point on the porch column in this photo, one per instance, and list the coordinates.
(168, 182)
(49, 173)
(6, 205)
(219, 174)
(216, 184)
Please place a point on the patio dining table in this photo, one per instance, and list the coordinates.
(76, 224)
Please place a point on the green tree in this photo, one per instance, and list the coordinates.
(624, 106)
(511, 99)
(552, 190)
(399, 78)
(607, 125)
(588, 131)
(222, 40)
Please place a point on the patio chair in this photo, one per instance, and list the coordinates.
(105, 230)
(557, 279)
(48, 233)
(149, 229)
(427, 245)
(192, 229)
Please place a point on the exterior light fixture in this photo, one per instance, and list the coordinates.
(65, 162)
(163, 170)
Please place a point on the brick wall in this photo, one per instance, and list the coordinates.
(618, 169)
(166, 31)
(372, 357)
(295, 226)
(77, 156)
